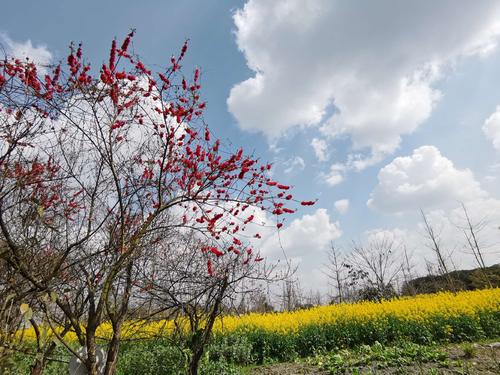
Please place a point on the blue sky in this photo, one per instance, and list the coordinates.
(387, 107)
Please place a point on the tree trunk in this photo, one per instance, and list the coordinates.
(117, 322)
(112, 356)
(38, 367)
(91, 362)
(41, 360)
(195, 361)
(40, 363)
(199, 346)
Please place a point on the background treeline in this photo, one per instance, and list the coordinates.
(464, 279)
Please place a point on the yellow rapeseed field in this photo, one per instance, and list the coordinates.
(417, 309)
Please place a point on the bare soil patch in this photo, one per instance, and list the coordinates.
(482, 359)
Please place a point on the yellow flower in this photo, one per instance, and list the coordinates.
(420, 309)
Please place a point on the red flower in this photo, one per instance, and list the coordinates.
(126, 42)
(249, 219)
(147, 174)
(112, 55)
(307, 203)
(118, 124)
(283, 187)
(164, 79)
(216, 251)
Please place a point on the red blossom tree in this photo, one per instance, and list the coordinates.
(97, 169)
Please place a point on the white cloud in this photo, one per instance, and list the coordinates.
(426, 180)
(376, 62)
(396, 235)
(305, 243)
(449, 225)
(320, 149)
(336, 174)
(296, 163)
(310, 233)
(21, 50)
(491, 128)
(342, 205)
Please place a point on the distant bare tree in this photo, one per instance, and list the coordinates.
(471, 233)
(408, 274)
(313, 298)
(434, 243)
(291, 295)
(257, 300)
(380, 262)
(336, 272)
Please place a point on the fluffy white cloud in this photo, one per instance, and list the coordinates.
(21, 50)
(430, 181)
(336, 174)
(491, 128)
(426, 180)
(309, 233)
(342, 205)
(376, 63)
(294, 164)
(396, 235)
(320, 149)
(304, 243)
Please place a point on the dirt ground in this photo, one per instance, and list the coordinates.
(485, 360)
(287, 369)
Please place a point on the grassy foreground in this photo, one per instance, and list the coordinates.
(407, 358)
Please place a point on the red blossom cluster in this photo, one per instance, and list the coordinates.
(188, 170)
(42, 189)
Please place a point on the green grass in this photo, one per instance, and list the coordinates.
(160, 357)
(378, 356)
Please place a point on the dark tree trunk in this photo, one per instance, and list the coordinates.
(195, 361)
(91, 362)
(117, 321)
(41, 360)
(112, 356)
(38, 367)
(199, 345)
